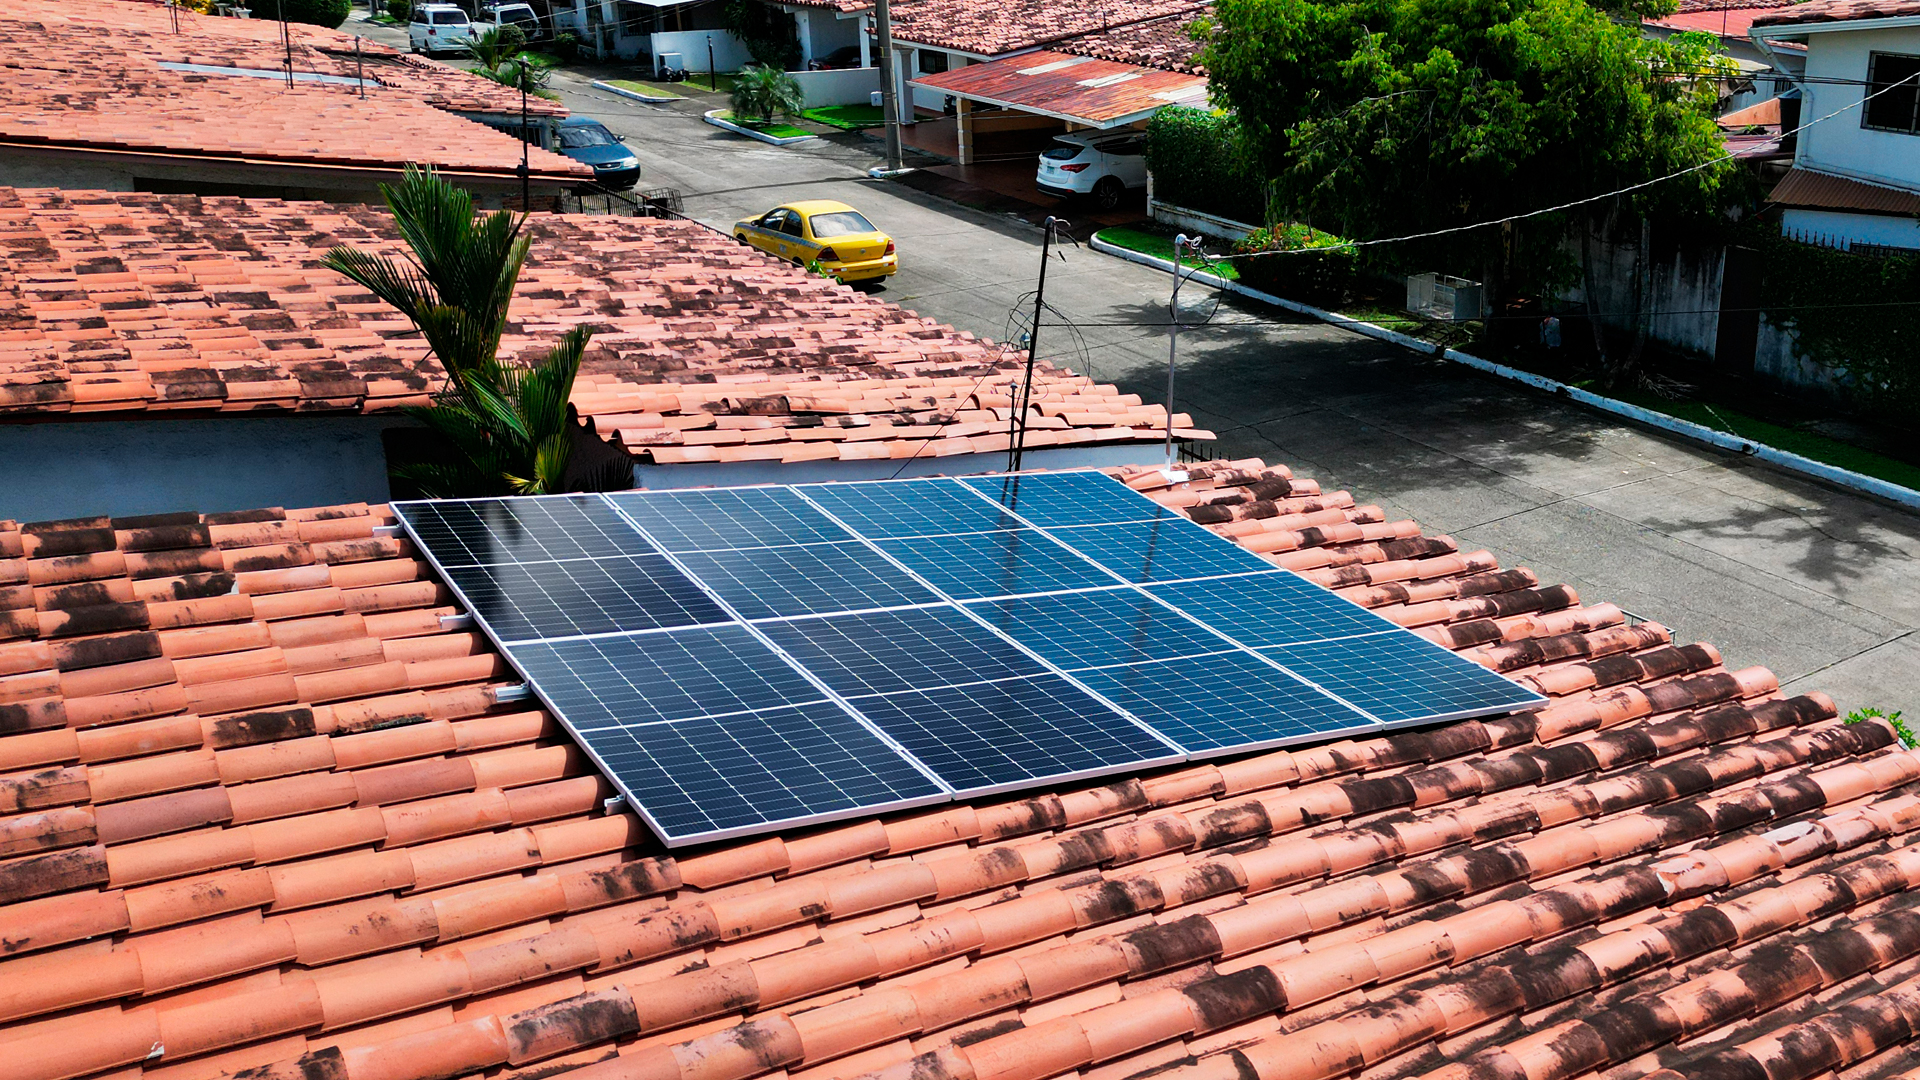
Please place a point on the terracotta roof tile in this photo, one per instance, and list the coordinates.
(673, 372)
(1820, 11)
(413, 882)
(994, 29)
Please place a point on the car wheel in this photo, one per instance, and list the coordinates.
(1108, 193)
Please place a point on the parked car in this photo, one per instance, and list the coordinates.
(1105, 165)
(833, 234)
(439, 28)
(588, 141)
(520, 15)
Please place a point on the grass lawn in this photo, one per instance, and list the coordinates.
(649, 89)
(542, 58)
(1159, 245)
(775, 128)
(846, 117)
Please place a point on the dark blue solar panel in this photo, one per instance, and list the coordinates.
(766, 582)
(1069, 498)
(1003, 563)
(1230, 700)
(618, 681)
(707, 778)
(520, 530)
(715, 519)
(886, 651)
(563, 599)
(909, 508)
(1165, 550)
(1006, 734)
(1082, 630)
(1400, 676)
(1273, 608)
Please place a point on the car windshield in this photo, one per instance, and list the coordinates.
(448, 18)
(575, 138)
(1066, 152)
(841, 223)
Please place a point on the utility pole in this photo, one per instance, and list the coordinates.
(286, 36)
(890, 91)
(526, 171)
(1173, 332)
(1017, 442)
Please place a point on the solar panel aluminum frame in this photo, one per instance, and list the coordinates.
(634, 802)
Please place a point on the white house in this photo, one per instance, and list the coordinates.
(1855, 181)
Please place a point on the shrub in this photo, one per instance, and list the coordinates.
(400, 10)
(759, 92)
(1321, 274)
(1199, 161)
(327, 13)
(566, 46)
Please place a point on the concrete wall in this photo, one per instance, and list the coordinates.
(1686, 291)
(847, 86)
(1837, 228)
(1777, 357)
(729, 52)
(128, 467)
(1841, 144)
(1193, 221)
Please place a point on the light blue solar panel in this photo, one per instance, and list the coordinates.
(1224, 701)
(764, 583)
(717, 519)
(1165, 550)
(1400, 676)
(1095, 629)
(1277, 607)
(887, 651)
(1008, 562)
(909, 508)
(501, 531)
(622, 681)
(1069, 498)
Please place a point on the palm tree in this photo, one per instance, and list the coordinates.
(759, 92)
(501, 59)
(506, 427)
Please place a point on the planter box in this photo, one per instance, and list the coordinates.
(1195, 221)
(713, 117)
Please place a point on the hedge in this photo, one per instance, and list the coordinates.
(327, 13)
(1198, 163)
(1316, 276)
(1819, 293)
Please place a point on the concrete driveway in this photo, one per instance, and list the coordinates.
(1821, 586)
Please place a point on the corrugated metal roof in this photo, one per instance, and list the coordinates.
(1805, 187)
(1081, 89)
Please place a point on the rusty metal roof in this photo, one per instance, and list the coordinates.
(1080, 89)
(1805, 187)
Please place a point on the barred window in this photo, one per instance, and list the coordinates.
(1895, 82)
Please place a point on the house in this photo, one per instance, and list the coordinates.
(108, 96)
(273, 810)
(1855, 181)
(205, 331)
(1728, 21)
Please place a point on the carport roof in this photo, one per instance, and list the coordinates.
(1079, 89)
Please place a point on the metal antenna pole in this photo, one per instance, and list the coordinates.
(526, 197)
(359, 70)
(1173, 333)
(286, 37)
(889, 89)
(1018, 442)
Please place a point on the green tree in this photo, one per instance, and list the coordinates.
(328, 13)
(499, 58)
(1379, 118)
(506, 427)
(759, 92)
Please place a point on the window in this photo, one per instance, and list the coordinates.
(840, 223)
(420, 16)
(931, 62)
(450, 18)
(582, 136)
(1895, 80)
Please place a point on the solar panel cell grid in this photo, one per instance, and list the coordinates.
(1167, 550)
(719, 519)
(608, 682)
(1093, 629)
(485, 531)
(580, 596)
(804, 580)
(1069, 498)
(1005, 563)
(1227, 700)
(1400, 676)
(909, 508)
(1272, 608)
(885, 652)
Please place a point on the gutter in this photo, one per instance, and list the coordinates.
(1904, 497)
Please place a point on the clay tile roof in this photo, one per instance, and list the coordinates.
(265, 816)
(90, 77)
(705, 350)
(1165, 43)
(1821, 11)
(1690, 6)
(994, 27)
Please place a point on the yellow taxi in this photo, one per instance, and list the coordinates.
(833, 234)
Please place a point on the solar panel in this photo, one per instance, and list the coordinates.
(712, 778)
(804, 580)
(582, 596)
(1004, 735)
(721, 519)
(740, 659)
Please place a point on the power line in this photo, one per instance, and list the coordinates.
(1628, 190)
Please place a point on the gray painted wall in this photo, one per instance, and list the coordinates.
(127, 467)
(722, 474)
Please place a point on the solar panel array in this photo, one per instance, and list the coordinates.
(739, 660)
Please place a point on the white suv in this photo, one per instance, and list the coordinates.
(1102, 164)
(438, 28)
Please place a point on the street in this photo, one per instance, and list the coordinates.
(1819, 585)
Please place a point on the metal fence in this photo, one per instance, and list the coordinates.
(653, 202)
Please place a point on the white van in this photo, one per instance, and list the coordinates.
(438, 28)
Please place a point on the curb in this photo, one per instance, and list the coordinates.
(1904, 497)
(738, 129)
(635, 94)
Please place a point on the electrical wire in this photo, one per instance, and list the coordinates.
(1628, 190)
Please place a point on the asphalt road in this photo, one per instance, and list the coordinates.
(1819, 585)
